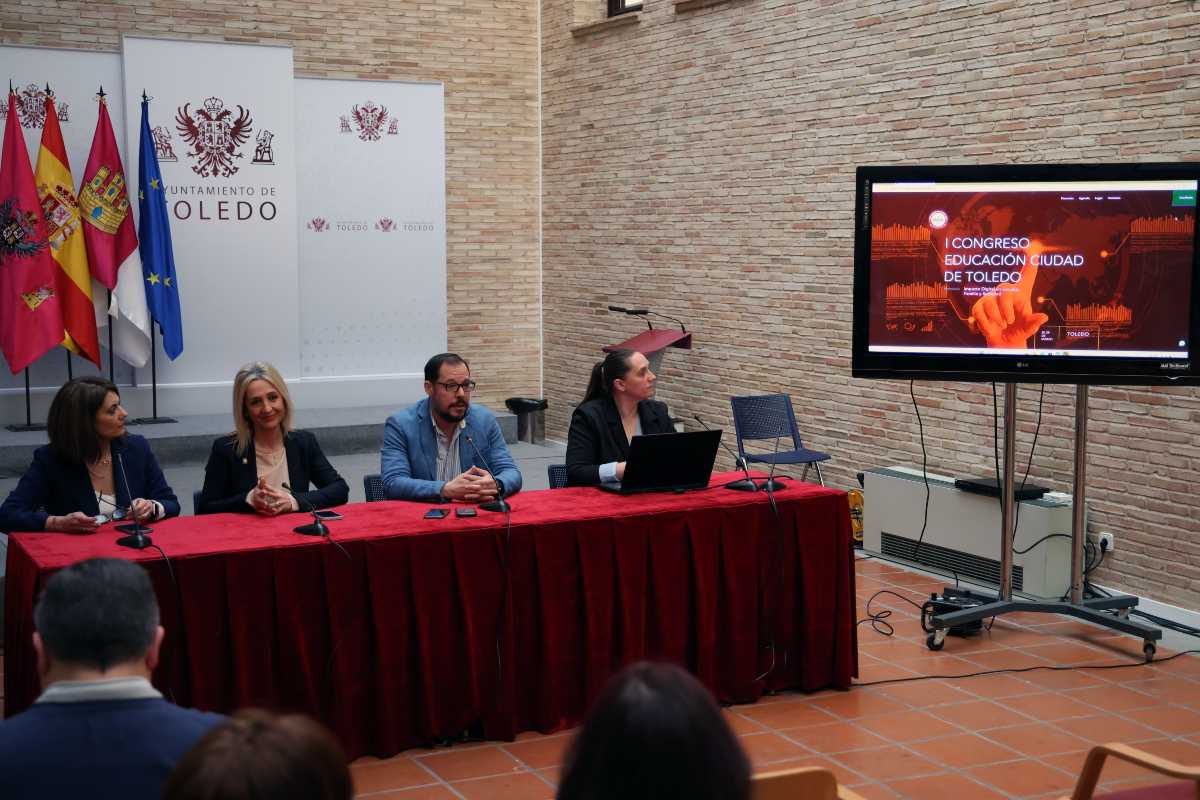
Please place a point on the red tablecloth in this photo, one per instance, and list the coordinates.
(428, 626)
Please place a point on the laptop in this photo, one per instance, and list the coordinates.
(668, 462)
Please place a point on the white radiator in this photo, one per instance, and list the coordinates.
(963, 531)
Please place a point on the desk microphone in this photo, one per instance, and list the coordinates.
(499, 503)
(771, 485)
(745, 484)
(137, 538)
(314, 528)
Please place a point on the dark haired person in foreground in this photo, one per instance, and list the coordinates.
(78, 481)
(616, 407)
(256, 754)
(99, 729)
(247, 469)
(444, 448)
(655, 732)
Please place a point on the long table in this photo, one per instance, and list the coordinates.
(416, 629)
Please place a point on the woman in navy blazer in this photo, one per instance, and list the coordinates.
(259, 466)
(616, 407)
(90, 469)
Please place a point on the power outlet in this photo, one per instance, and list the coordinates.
(1105, 540)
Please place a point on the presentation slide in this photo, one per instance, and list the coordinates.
(1064, 268)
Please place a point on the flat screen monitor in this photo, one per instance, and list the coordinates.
(1027, 273)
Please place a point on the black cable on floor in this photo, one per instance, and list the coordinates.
(1049, 667)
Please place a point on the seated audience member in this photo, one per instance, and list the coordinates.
(91, 470)
(262, 756)
(442, 447)
(248, 469)
(616, 407)
(655, 732)
(99, 729)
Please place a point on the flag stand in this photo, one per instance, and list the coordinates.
(29, 424)
(154, 418)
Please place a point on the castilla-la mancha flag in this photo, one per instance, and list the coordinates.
(60, 208)
(112, 244)
(31, 320)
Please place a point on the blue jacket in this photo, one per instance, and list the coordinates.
(120, 749)
(53, 486)
(409, 457)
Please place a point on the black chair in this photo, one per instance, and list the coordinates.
(557, 473)
(373, 487)
(196, 503)
(770, 417)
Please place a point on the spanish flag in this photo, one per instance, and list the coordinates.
(60, 208)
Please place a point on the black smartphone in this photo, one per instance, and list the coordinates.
(436, 513)
(328, 515)
(464, 511)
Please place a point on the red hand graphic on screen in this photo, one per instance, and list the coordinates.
(1006, 317)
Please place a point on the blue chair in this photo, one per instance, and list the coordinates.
(557, 473)
(769, 417)
(373, 487)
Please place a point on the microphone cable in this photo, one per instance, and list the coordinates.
(778, 557)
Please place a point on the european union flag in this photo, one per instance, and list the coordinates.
(158, 259)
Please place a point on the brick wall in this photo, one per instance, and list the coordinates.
(702, 163)
(486, 54)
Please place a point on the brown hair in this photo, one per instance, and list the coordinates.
(257, 755)
(615, 365)
(71, 423)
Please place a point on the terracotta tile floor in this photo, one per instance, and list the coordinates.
(1011, 735)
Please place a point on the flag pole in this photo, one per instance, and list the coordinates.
(70, 372)
(154, 418)
(112, 367)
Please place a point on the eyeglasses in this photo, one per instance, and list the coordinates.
(452, 387)
(116, 515)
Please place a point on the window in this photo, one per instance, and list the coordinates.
(618, 7)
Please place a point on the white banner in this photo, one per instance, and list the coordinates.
(223, 119)
(372, 210)
(75, 76)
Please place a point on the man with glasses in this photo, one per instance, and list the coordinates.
(443, 448)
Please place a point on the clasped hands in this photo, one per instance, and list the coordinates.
(79, 522)
(269, 501)
(473, 486)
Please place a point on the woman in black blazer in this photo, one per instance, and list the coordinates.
(92, 470)
(248, 469)
(616, 407)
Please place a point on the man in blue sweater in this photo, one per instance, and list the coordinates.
(99, 729)
(443, 448)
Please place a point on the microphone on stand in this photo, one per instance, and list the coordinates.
(634, 312)
(137, 538)
(314, 528)
(745, 484)
(770, 486)
(499, 504)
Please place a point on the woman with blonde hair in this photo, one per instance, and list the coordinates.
(249, 469)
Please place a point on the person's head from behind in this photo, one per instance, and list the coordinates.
(85, 416)
(262, 756)
(261, 403)
(97, 619)
(449, 386)
(622, 373)
(655, 732)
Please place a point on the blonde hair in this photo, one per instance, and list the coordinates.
(243, 429)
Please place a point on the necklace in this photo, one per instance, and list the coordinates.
(272, 457)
